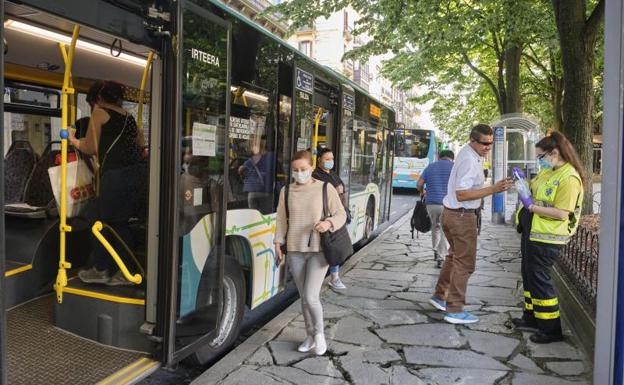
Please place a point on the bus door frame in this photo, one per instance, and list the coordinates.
(3, 334)
(345, 108)
(169, 246)
(609, 343)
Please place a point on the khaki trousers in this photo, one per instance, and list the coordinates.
(460, 229)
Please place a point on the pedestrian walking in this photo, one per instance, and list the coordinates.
(299, 225)
(462, 205)
(324, 172)
(433, 185)
(547, 220)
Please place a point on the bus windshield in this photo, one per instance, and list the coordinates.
(413, 143)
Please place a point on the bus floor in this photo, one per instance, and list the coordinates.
(40, 353)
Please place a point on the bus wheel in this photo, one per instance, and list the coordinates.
(233, 308)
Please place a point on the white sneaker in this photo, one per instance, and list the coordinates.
(337, 284)
(307, 345)
(321, 345)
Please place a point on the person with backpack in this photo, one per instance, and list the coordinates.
(462, 205)
(433, 184)
(307, 208)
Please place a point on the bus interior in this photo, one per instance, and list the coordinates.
(62, 342)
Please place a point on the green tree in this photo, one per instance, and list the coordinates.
(578, 32)
(438, 42)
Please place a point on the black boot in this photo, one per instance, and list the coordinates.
(521, 323)
(543, 338)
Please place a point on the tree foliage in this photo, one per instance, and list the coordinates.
(470, 54)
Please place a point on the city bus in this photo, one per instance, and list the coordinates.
(415, 149)
(223, 104)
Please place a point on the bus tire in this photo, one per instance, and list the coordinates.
(232, 315)
(369, 218)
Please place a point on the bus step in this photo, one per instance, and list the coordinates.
(109, 315)
(40, 353)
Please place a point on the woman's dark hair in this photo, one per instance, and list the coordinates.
(324, 151)
(106, 90)
(556, 139)
(302, 155)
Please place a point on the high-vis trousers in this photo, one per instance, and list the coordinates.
(541, 304)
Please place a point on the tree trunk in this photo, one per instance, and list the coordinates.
(577, 38)
(557, 101)
(513, 100)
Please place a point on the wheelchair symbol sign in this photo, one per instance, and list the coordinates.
(304, 81)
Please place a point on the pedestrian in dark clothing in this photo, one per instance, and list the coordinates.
(324, 173)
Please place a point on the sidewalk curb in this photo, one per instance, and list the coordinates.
(228, 363)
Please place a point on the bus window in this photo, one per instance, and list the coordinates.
(414, 144)
(365, 156)
(252, 157)
(32, 115)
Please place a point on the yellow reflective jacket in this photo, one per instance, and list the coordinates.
(544, 189)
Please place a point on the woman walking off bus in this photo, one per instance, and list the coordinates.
(547, 221)
(324, 173)
(299, 224)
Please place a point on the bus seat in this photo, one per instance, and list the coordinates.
(18, 165)
(38, 195)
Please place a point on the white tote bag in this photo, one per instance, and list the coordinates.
(80, 186)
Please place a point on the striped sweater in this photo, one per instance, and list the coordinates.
(305, 206)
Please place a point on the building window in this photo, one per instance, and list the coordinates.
(305, 46)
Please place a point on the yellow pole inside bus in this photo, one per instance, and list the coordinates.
(317, 121)
(61, 278)
(150, 57)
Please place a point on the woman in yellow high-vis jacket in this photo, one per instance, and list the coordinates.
(547, 222)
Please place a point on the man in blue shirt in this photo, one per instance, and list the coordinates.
(433, 183)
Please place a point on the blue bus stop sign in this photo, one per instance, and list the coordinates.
(499, 168)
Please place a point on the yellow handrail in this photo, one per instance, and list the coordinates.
(150, 57)
(96, 230)
(68, 57)
(317, 121)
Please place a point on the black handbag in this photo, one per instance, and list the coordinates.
(336, 245)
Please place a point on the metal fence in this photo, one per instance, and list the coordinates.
(579, 263)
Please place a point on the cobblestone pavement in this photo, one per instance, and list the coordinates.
(381, 330)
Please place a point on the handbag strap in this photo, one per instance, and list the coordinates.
(286, 202)
(325, 209)
(115, 141)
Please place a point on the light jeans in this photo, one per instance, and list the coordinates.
(438, 240)
(308, 270)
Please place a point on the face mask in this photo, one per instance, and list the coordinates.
(328, 164)
(546, 164)
(302, 177)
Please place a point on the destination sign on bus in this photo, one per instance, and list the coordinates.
(374, 111)
(305, 81)
(204, 57)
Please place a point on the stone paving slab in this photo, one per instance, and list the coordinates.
(381, 330)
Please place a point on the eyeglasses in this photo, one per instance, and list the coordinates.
(542, 155)
(483, 143)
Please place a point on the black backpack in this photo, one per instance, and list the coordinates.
(420, 218)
